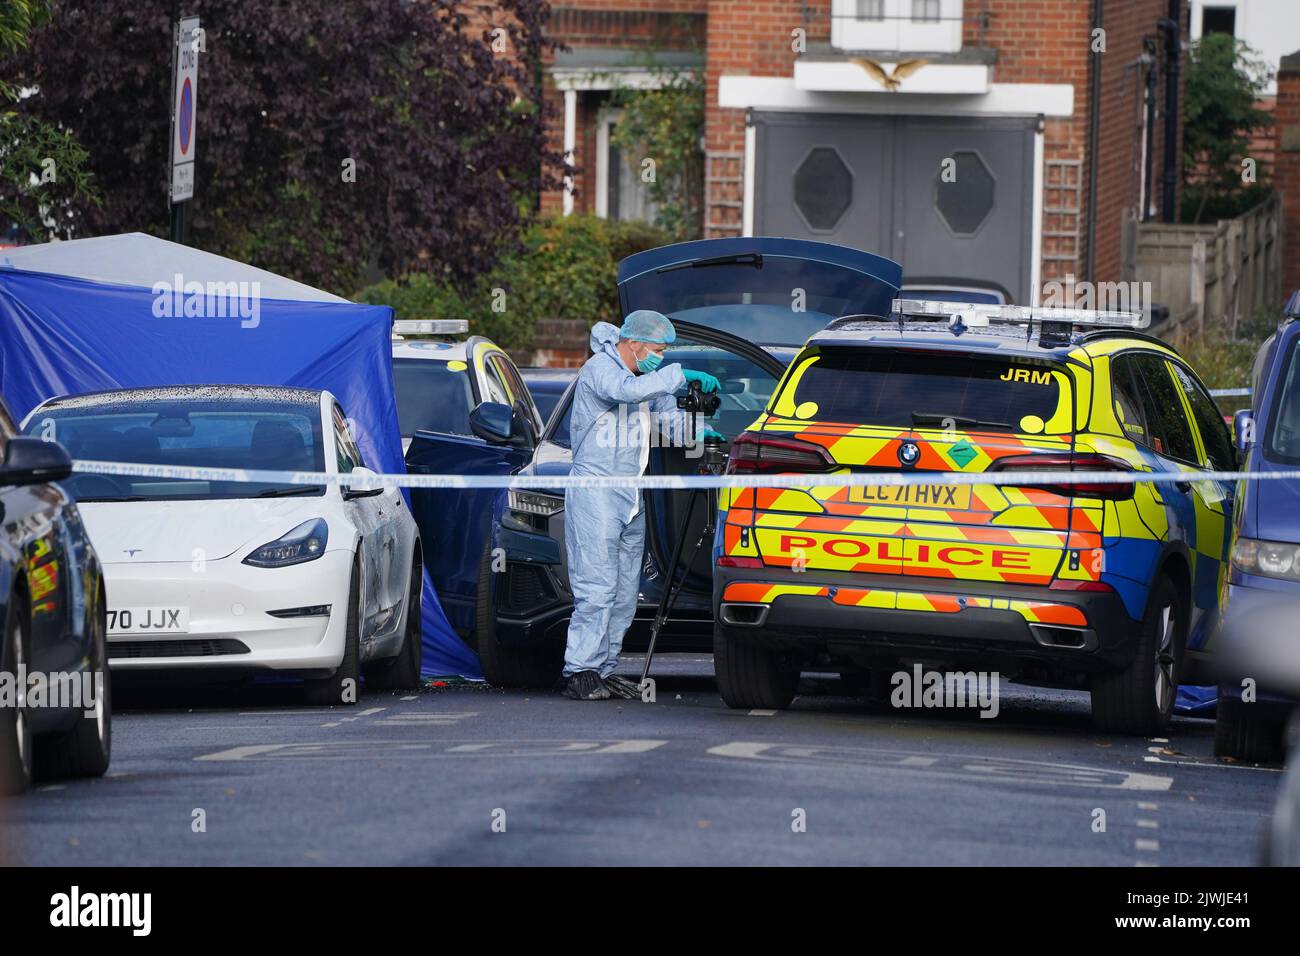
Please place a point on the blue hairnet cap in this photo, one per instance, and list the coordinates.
(646, 325)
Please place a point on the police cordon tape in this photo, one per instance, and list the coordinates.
(672, 482)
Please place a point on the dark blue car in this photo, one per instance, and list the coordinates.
(1258, 648)
(742, 308)
(52, 605)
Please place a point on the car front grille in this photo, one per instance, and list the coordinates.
(207, 647)
(526, 588)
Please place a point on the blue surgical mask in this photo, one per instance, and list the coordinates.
(650, 363)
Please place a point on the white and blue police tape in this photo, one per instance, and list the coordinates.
(674, 482)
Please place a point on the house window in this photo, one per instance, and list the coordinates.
(1219, 20)
(925, 11)
(905, 26)
(871, 10)
(621, 194)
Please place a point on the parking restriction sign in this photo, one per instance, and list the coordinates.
(185, 100)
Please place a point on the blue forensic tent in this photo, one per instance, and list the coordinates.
(106, 313)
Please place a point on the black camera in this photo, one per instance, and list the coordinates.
(699, 402)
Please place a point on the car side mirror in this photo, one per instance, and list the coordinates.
(1243, 429)
(493, 422)
(34, 461)
(350, 492)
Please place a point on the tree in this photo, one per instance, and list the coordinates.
(1224, 81)
(333, 139)
(43, 175)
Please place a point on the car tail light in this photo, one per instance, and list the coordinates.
(732, 561)
(757, 453)
(1112, 491)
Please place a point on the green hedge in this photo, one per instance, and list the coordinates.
(562, 268)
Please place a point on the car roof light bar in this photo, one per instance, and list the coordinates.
(431, 326)
(976, 314)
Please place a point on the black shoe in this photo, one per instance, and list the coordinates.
(586, 685)
(622, 687)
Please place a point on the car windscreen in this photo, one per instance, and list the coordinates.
(1283, 442)
(196, 434)
(745, 388)
(432, 396)
(914, 388)
(764, 324)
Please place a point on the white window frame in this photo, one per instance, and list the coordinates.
(898, 31)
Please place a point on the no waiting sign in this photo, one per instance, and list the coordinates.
(185, 104)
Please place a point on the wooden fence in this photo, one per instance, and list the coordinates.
(1210, 276)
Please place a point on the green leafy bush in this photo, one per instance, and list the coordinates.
(564, 268)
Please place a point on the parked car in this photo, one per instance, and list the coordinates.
(53, 591)
(950, 289)
(440, 380)
(240, 576)
(1261, 592)
(1107, 587)
(742, 307)
(547, 386)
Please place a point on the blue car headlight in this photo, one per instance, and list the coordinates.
(304, 543)
(1270, 559)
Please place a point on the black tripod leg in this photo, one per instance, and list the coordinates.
(666, 599)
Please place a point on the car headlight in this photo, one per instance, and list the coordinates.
(534, 503)
(304, 543)
(1270, 559)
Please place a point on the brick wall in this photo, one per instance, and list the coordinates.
(1036, 41)
(1286, 168)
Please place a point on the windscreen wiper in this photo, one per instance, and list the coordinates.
(293, 490)
(754, 259)
(943, 421)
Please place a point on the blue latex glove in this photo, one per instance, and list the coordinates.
(710, 433)
(707, 381)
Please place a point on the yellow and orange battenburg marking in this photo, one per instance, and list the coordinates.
(1034, 612)
(991, 533)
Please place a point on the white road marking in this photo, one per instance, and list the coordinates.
(1148, 824)
(1148, 806)
(1001, 770)
(410, 717)
(412, 697)
(1148, 846)
(379, 749)
(762, 713)
(1220, 766)
(241, 753)
(1160, 740)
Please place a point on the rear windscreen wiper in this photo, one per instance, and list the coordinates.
(295, 490)
(754, 259)
(944, 421)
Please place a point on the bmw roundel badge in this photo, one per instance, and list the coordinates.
(908, 453)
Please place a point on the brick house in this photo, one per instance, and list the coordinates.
(838, 119)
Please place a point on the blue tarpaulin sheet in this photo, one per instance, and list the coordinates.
(64, 335)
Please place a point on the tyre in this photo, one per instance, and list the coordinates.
(403, 671)
(505, 666)
(1242, 733)
(86, 749)
(16, 762)
(341, 686)
(1139, 699)
(751, 674)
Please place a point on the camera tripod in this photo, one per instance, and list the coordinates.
(713, 462)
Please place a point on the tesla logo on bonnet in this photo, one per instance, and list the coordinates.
(131, 552)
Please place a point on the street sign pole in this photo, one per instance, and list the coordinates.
(185, 100)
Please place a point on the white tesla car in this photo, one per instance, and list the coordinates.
(311, 580)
